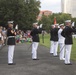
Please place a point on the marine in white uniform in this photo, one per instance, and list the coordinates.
(35, 38)
(51, 39)
(55, 39)
(11, 42)
(67, 33)
(61, 41)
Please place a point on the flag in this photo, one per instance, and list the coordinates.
(55, 22)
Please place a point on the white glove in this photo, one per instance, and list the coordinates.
(37, 27)
(40, 25)
(16, 27)
(58, 26)
(73, 24)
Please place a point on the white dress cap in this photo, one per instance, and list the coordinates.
(35, 23)
(10, 22)
(68, 21)
(56, 24)
(62, 24)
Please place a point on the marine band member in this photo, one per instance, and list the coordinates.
(55, 39)
(51, 39)
(35, 38)
(67, 33)
(61, 41)
(11, 42)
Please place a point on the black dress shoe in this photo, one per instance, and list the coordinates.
(69, 64)
(11, 63)
(51, 53)
(35, 59)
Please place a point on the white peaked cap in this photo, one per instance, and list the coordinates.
(35, 23)
(68, 21)
(56, 24)
(52, 25)
(62, 24)
(10, 22)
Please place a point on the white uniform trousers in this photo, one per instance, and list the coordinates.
(52, 47)
(10, 53)
(55, 48)
(68, 53)
(34, 50)
(62, 48)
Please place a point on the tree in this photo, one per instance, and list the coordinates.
(22, 12)
(46, 22)
(60, 17)
(32, 12)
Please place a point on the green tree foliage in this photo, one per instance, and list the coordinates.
(22, 12)
(46, 22)
(60, 17)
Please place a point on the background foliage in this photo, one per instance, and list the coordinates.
(60, 17)
(22, 12)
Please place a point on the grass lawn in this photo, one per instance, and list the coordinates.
(47, 44)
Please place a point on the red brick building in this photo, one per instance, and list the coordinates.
(45, 12)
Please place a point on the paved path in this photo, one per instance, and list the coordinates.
(47, 65)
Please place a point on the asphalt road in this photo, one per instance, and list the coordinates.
(46, 65)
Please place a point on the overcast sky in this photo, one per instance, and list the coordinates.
(53, 5)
